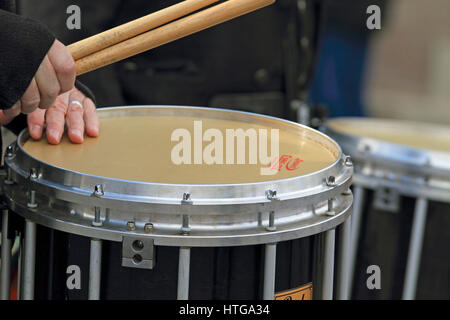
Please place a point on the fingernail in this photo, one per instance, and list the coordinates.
(55, 134)
(93, 130)
(36, 130)
(76, 133)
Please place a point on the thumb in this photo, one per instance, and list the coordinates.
(5, 119)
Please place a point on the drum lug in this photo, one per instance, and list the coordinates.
(148, 228)
(186, 198)
(330, 182)
(185, 229)
(99, 190)
(97, 217)
(348, 161)
(98, 193)
(271, 227)
(10, 151)
(138, 253)
(131, 226)
(387, 199)
(32, 200)
(272, 195)
(330, 211)
(34, 175)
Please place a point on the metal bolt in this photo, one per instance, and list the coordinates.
(34, 174)
(271, 226)
(148, 227)
(330, 181)
(99, 190)
(32, 200)
(330, 211)
(185, 229)
(348, 161)
(271, 194)
(131, 226)
(9, 151)
(186, 198)
(137, 245)
(97, 220)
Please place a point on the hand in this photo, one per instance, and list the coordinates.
(77, 119)
(55, 75)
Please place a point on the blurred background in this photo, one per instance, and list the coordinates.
(319, 52)
(408, 70)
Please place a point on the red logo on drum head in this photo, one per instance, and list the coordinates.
(286, 161)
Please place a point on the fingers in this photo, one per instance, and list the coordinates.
(74, 117)
(5, 117)
(12, 112)
(90, 118)
(80, 118)
(31, 98)
(77, 118)
(47, 83)
(63, 64)
(55, 119)
(55, 75)
(35, 122)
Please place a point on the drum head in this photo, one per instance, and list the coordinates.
(145, 143)
(418, 135)
(131, 177)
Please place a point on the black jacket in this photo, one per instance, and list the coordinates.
(24, 44)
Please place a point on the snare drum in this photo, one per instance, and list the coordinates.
(401, 205)
(181, 202)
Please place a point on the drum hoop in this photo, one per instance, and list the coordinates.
(70, 203)
(396, 157)
(308, 228)
(242, 193)
(416, 190)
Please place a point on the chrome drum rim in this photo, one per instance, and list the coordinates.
(214, 215)
(410, 170)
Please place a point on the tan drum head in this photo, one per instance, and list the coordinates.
(137, 146)
(407, 133)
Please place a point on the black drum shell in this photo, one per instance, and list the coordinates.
(215, 273)
(384, 241)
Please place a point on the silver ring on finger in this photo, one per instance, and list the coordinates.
(78, 103)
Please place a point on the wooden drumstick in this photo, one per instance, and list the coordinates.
(170, 32)
(133, 28)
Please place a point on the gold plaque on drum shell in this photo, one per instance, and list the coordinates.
(301, 293)
(139, 148)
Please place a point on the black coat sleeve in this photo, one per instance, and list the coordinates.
(23, 45)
